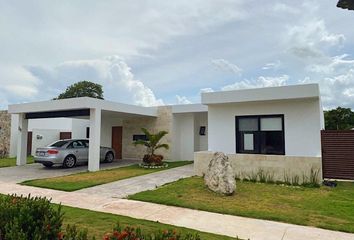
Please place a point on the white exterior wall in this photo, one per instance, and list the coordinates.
(186, 138)
(106, 129)
(302, 119)
(42, 138)
(47, 128)
(183, 136)
(78, 127)
(200, 141)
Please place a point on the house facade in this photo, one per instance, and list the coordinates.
(280, 122)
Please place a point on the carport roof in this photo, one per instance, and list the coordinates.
(80, 104)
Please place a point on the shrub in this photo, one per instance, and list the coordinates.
(131, 233)
(34, 218)
(23, 218)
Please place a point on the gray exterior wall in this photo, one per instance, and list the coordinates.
(5, 133)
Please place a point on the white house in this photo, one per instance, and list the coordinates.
(277, 121)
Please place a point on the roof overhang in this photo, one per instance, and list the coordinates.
(305, 91)
(189, 108)
(78, 107)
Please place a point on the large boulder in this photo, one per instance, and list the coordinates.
(220, 176)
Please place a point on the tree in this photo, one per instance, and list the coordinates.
(82, 89)
(346, 4)
(339, 119)
(152, 144)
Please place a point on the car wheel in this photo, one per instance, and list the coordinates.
(48, 165)
(69, 162)
(109, 157)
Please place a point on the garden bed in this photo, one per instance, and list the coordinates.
(324, 207)
(89, 179)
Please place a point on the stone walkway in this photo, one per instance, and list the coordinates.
(123, 188)
(245, 228)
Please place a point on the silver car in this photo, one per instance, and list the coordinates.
(69, 152)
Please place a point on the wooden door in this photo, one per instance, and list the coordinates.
(117, 133)
(29, 143)
(65, 135)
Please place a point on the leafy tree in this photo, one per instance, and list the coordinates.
(152, 141)
(346, 4)
(82, 89)
(339, 119)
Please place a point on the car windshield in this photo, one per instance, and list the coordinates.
(59, 144)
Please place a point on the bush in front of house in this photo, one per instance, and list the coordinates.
(131, 233)
(23, 218)
(34, 218)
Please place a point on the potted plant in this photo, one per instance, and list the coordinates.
(152, 143)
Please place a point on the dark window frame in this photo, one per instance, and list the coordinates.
(257, 134)
(137, 137)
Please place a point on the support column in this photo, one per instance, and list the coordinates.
(22, 140)
(95, 140)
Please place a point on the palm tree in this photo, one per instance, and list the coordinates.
(152, 141)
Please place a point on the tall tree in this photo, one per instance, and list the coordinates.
(82, 89)
(339, 119)
(346, 4)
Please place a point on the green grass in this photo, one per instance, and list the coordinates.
(100, 223)
(324, 207)
(10, 162)
(89, 179)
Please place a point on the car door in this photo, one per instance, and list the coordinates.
(80, 150)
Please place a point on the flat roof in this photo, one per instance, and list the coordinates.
(82, 103)
(189, 108)
(303, 91)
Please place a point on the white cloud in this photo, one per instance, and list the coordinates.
(112, 72)
(258, 83)
(182, 100)
(309, 40)
(333, 65)
(271, 65)
(226, 66)
(337, 90)
(206, 90)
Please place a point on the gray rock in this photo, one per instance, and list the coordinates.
(220, 176)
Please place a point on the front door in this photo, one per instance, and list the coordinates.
(117, 133)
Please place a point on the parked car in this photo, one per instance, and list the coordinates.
(69, 152)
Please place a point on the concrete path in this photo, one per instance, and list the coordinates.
(245, 228)
(123, 188)
(36, 171)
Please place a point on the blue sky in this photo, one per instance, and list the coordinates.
(163, 52)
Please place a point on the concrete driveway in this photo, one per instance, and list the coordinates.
(35, 171)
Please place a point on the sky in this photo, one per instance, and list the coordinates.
(167, 52)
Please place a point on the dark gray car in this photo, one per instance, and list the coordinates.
(69, 153)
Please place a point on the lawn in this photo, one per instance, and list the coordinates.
(10, 162)
(330, 208)
(100, 223)
(89, 179)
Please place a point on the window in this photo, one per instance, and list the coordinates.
(140, 137)
(87, 132)
(59, 144)
(77, 144)
(260, 134)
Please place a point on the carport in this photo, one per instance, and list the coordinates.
(93, 109)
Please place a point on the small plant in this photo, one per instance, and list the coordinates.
(313, 179)
(152, 144)
(287, 180)
(262, 176)
(295, 180)
(270, 178)
(253, 176)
